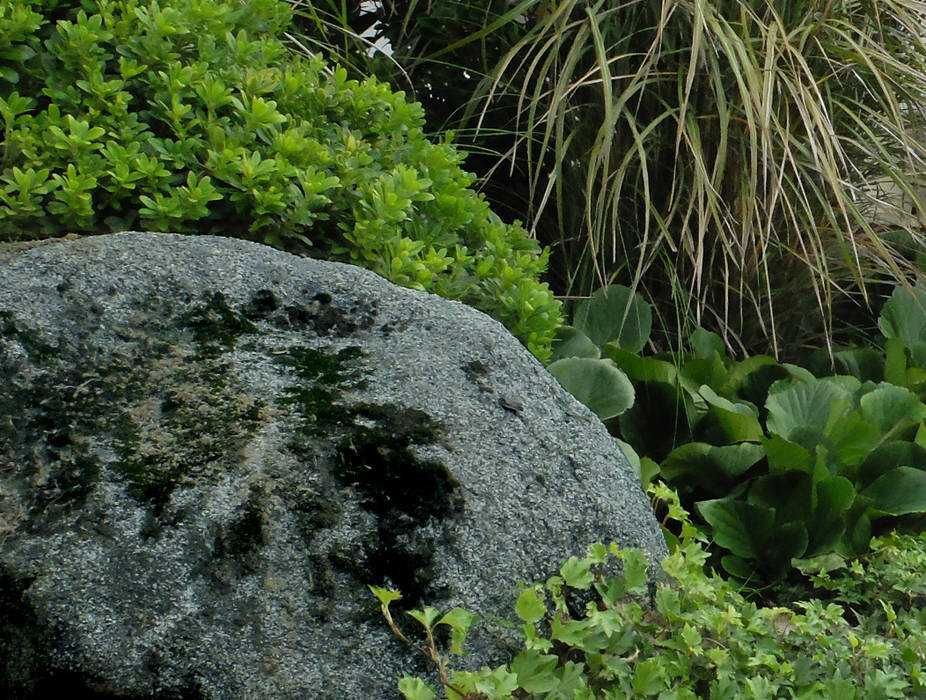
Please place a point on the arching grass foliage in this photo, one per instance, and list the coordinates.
(748, 165)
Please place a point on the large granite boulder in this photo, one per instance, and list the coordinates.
(208, 449)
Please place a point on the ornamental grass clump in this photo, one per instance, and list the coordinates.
(748, 165)
(194, 116)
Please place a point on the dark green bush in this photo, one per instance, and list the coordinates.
(784, 469)
(194, 116)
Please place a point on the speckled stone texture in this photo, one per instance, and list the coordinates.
(208, 449)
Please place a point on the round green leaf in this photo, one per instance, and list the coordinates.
(835, 494)
(704, 343)
(641, 369)
(890, 455)
(899, 492)
(596, 383)
(710, 463)
(804, 406)
(739, 527)
(615, 314)
(571, 342)
(904, 315)
(889, 405)
(735, 421)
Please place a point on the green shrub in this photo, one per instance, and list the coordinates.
(689, 637)
(193, 116)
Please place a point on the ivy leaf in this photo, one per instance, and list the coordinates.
(427, 616)
(535, 671)
(459, 621)
(415, 689)
(577, 573)
(385, 595)
(634, 569)
(649, 677)
(530, 605)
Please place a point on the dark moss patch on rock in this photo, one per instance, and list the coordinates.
(478, 373)
(326, 318)
(166, 410)
(37, 349)
(238, 543)
(323, 377)
(403, 491)
(24, 640)
(378, 462)
(374, 456)
(44, 438)
(475, 370)
(216, 326)
(26, 644)
(262, 304)
(180, 432)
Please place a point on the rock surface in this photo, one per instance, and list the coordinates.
(208, 449)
